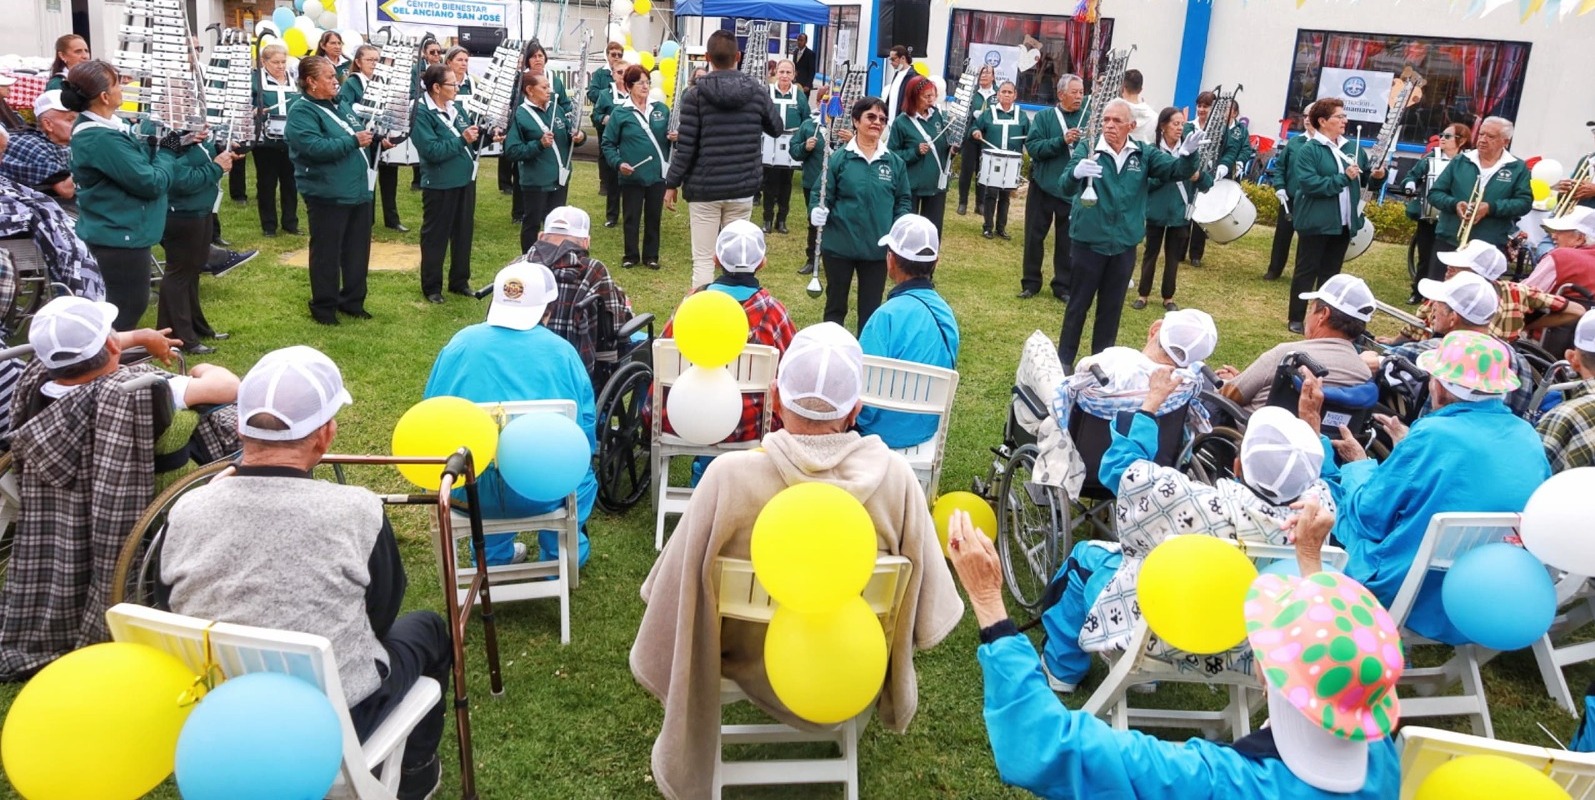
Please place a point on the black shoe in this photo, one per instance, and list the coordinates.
(986, 233)
(1170, 305)
(1003, 235)
(220, 242)
(228, 260)
(421, 783)
(807, 268)
(654, 264)
(980, 211)
(269, 234)
(1026, 294)
(1138, 304)
(1196, 262)
(358, 313)
(1414, 299)
(766, 226)
(504, 191)
(1270, 276)
(466, 292)
(780, 227)
(293, 230)
(398, 226)
(628, 264)
(517, 219)
(320, 320)
(1063, 297)
(609, 223)
(243, 201)
(435, 298)
(1295, 327)
(198, 349)
(963, 209)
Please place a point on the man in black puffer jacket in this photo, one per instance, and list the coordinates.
(719, 148)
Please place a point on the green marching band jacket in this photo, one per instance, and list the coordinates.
(447, 160)
(810, 159)
(329, 164)
(1049, 149)
(122, 182)
(1168, 202)
(864, 197)
(926, 173)
(1507, 192)
(1318, 181)
(1118, 221)
(643, 143)
(540, 167)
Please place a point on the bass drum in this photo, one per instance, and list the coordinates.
(1361, 241)
(1224, 212)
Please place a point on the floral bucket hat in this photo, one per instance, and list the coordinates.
(1328, 647)
(1473, 361)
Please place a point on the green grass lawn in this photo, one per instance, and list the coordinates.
(572, 722)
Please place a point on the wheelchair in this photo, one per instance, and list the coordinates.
(24, 287)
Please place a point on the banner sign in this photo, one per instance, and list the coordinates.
(1002, 58)
(1366, 93)
(443, 12)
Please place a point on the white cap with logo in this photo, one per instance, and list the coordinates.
(1580, 219)
(1584, 333)
(1479, 256)
(298, 386)
(1188, 336)
(823, 363)
(568, 221)
(47, 102)
(1280, 454)
(1467, 293)
(70, 330)
(913, 237)
(740, 247)
(522, 292)
(1347, 294)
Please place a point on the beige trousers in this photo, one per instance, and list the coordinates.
(706, 219)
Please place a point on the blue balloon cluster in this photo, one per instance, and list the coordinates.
(543, 456)
(283, 18)
(1499, 596)
(669, 50)
(262, 736)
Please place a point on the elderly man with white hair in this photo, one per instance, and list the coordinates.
(1573, 259)
(41, 158)
(683, 647)
(1506, 197)
(1106, 184)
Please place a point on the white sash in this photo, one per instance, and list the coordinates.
(664, 163)
(371, 167)
(559, 161)
(791, 101)
(941, 169)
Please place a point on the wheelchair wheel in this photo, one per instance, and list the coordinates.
(139, 565)
(1028, 530)
(623, 439)
(1212, 455)
(1413, 267)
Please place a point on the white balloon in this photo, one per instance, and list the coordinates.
(313, 9)
(267, 26)
(329, 21)
(704, 405)
(625, 27)
(630, 56)
(620, 8)
(616, 35)
(1556, 521)
(306, 24)
(351, 40)
(657, 95)
(1549, 170)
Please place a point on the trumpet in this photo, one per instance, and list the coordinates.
(1566, 203)
(1466, 231)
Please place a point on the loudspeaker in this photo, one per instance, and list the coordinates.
(904, 22)
(481, 42)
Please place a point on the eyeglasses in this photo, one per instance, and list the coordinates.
(434, 52)
(880, 118)
(1448, 136)
(449, 85)
(1339, 116)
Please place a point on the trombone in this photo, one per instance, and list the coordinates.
(1566, 202)
(1466, 231)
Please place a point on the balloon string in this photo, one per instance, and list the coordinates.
(204, 682)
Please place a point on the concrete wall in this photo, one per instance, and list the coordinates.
(31, 30)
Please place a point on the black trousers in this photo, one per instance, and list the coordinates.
(1284, 231)
(839, 274)
(1318, 258)
(388, 188)
(968, 165)
(641, 207)
(187, 245)
(340, 256)
(448, 223)
(274, 176)
(536, 203)
(1044, 211)
(1428, 266)
(930, 206)
(607, 176)
(777, 194)
(996, 204)
(127, 282)
(1170, 242)
(1198, 241)
(237, 180)
(1099, 278)
(507, 178)
(418, 646)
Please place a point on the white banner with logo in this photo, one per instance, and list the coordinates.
(1366, 93)
(444, 12)
(1002, 58)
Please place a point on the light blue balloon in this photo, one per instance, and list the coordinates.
(299, 6)
(283, 18)
(263, 736)
(1288, 568)
(543, 456)
(669, 49)
(1499, 596)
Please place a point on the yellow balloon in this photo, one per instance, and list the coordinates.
(1487, 776)
(813, 547)
(329, 5)
(647, 60)
(1540, 188)
(294, 40)
(438, 427)
(711, 329)
(1192, 589)
(101, 722)
(827, 668)
(628, 41)
(642, 6)
(922, 69)
(980, 514)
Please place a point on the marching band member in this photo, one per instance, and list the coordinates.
(1328, 174)
(969, 153)
(328, 147)
(70, 51)
(1104, 234)
(1168, 213)
(1053, 135)
(603, 89)
(637, 143)
(1285, 192)
(1584, 192)
(195, 187)
(330, 47)
(540, 144)
(1231, 161)
(274, 173)
(121, 188)
(791, 105)
(866, 189)
(1452, 140)
(447, 140)
(994, 129)
(919, 138)
(405, 153)
(535, 63)
(352, 91)
(1507, 194)
(458, 60)
(806, 148)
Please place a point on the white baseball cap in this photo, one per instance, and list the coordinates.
(522, 293)
(1347, 294)
(740, 247)
(1188, 336)
(1317, 757)
(1479, 256)
(7, 79)
(825, 363)
(913, 237)
(568, 221)
(70, 330)
(1467, 293)
(1580, 219)
(1280, 455)
(47, 102)
(299, 386)
(1584, 333)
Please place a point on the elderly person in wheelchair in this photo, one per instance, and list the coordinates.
(1337, 316)
(591, 306)
(92, 441)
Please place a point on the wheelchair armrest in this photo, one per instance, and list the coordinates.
(633, 325)
(20, 351)
(1397, 367)
(1033, 402)
(1224, 405)
(141, 382)
(1361, 397)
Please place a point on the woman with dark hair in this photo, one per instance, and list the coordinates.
(352, 86)
(603, 108)
(919, 138)
(330, 47)
(274, 172)
(866, 189)
(637, 144)
(1452, 140)
(1168, 213)
(328, 146)
(969, 153)
(1328, 174)
(194, 191)
(540, 144)
(535, 63)
(447, 141)
(70, 51)
(431, 53)
(122, 181)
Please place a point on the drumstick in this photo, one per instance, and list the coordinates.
(642, 162)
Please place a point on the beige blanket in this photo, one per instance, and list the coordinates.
(682, 649)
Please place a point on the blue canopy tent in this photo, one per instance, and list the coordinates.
(806, 12)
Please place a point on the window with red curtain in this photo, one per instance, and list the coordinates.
(1063, 43)
(1465, 79)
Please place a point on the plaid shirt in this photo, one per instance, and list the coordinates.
(32, 158)
(581, 276)
(1568, 430)
(1517, 302)
(768, 324)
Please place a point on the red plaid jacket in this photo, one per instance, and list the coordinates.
(768, 324)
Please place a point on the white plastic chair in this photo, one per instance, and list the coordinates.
(1449, 537)
(754, 371)
(241, 650)
(894, 385)
(1146, 660)
(1425, 749)
(531, 580)
(1575, 604)
(741, 596)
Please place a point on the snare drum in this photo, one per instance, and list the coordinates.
(999, 169)
(776, 152)
(1224, 212)
(1361, 240)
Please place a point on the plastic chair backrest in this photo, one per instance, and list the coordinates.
(754, 369)
(1425, 749)
(1448, 538)
(510, 409)
(896, 385)
(739, 595)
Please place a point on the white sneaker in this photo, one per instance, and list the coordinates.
(1061, 687)
(520, 554)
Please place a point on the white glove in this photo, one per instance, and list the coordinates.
(1087, 168)
(818, 215)
(1193, 142)
(1222, 172)
(1283, 198)
(1411, 187)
